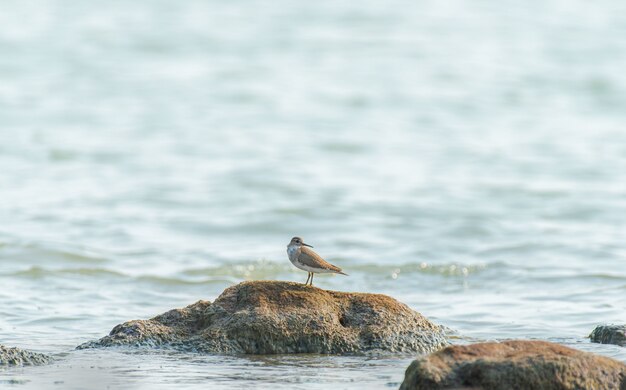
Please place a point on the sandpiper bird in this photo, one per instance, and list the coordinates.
(304, 258)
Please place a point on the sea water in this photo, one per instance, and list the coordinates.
(466, 158)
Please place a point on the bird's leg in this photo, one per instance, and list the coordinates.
(312, 279)
(307, 279)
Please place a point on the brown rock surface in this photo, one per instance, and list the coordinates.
(514, 364)
(269, 317)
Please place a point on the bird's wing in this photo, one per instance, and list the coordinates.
(312, 259)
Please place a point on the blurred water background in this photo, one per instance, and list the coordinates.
(467, 158)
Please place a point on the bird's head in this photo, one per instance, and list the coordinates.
(297, 241)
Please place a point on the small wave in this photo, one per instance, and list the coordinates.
(221, 274)
(603, 276)
(49, 252)
(445, 269)
(251, 269)
(40, 272)
(344, 147)
(173, 281)
(48, 320)
(583, 277)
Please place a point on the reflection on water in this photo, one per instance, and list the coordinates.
(467, 159)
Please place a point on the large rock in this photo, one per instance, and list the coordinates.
(268, 317)
(18, 357)
(514, 365)
(609, 334)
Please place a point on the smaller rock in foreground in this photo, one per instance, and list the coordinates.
(514, 364)
(609, 334)
(18, 357)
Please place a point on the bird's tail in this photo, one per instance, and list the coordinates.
(343, 273)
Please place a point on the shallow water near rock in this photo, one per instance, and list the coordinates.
(466, 159)
(127, 369)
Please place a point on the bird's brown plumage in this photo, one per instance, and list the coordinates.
(311, 259)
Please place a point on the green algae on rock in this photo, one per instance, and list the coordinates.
(609, 334)
(18, 357)
(271, 317)
(515, 364)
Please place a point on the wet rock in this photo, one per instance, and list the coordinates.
(269, 317)
(18, 357)
(514, 365)
(609, 334)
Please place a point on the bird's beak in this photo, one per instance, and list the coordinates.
(310, 246)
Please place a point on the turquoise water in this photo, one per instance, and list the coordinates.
(467, 158)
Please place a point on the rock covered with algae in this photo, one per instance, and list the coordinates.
(271, 317)
(609, 334)
(10, 356)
